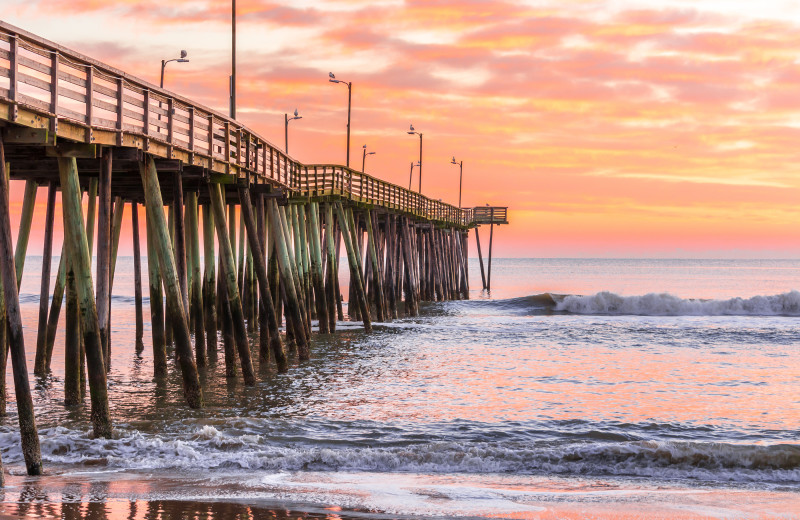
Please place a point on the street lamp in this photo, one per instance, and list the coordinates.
(460, 177)
(411, 174)
(182, 59)
(333, 79)
(411, 131)
(287, 118)
(364, 158)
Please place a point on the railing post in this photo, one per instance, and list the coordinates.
(191, 135)
(146, 119)
(13, 81)
(120, 104)
(89, 102)
(227, 149)
(54, 92)
(211, 140)
(170, 124)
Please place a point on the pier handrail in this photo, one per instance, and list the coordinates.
(79, 98)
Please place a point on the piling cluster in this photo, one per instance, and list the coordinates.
(285, 279)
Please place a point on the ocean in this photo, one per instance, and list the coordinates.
(578, 388)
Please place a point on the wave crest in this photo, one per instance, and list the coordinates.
(663, 304)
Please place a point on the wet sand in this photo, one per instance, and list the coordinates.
(114, 496)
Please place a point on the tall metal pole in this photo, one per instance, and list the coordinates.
(460, 178)
(163, 66)
(233, 59)
(363, 160)
(420, 163)
(349, 99)
(286, 134)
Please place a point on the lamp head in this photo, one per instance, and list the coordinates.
(183, 60)
(365, 147)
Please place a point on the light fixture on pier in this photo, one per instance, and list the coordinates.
(411, 131)
(460, 176)
(182, 59)
(286, 134)
(332, 79)
(364, 158)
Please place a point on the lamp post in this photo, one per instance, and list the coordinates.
(460, 177)
(411, 174)
(411, 131)
(232, 86)
(333, 79)
(287, 119)
(364, 159)
(182, 59)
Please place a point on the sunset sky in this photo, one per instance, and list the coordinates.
(610, 128)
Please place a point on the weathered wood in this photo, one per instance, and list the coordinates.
(156, 300)
(39, 366)
(137, 275)
(293, 309)
(376, 272)
(168, 336)
(228, 340)
(240, 263)
(338, 242)
(24, 233)
(316, 268)
(209, 284)
(410, 284)
(27, 423)
(104, 249)
(489, 265)
(264, 333)
(480, 257)
(78, 257)
(355, 269)
(331, 274)
(234, 300)
(116, 230)
(286, 225)
(166, 261)
(72, 342)
(180, 241)
(196, 304)
(263, 281)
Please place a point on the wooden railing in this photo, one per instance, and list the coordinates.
(81, 99)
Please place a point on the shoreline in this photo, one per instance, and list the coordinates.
(350, 496)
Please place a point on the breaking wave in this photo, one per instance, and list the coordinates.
(653, 304)
(207, 447)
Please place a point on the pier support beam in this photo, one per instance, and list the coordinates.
(287, 282)
(78, 257)
(196, 303)
(137, 275)
(353, 262)
(104, 249)
(27, 423)
(480, 257)
(234, 300)
(156, 300)
(263, 282)
(39, 366)
(209, 284)
(180, 324)
(332, 275)
(316, 268)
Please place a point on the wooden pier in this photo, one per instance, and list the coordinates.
(78, 126)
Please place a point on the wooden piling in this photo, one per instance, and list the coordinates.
(24, 233)
(16, 342)
(180, 242)
(209, 284)
(480, 257)
(331, 274)
(196, 303)
(104, 218)
(263, 282)
(376, 271)
(234, 300)
(316, 268)
(293, 309)
(137, 275)
(39, 366)
(72, 341)
(355, 268)
(180, 324)
(156, 299)
(78, 256)
(264, 333)
(489, 266)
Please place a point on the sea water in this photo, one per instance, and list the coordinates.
(577, 388)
